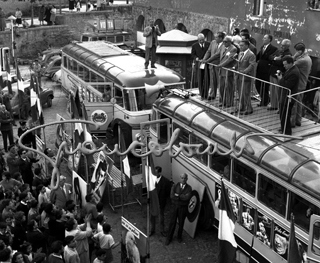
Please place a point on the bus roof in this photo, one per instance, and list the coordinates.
(300, 167)
(120, 66)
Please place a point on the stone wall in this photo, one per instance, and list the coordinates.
(194, 22)
(79, 22)
(33, 40)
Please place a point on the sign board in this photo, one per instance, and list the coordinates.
(140, 239)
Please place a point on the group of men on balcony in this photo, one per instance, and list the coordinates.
(230, 62)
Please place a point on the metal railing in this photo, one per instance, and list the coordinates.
(235, 93)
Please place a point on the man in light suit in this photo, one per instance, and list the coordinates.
(226, 77)
(61, 195)
(180, 196)
(245, 65)
(151, 33)
(264, 59)
(163, 187)
(198, 51)
(212, 56)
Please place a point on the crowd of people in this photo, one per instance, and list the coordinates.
(216, 62)
(40, 224)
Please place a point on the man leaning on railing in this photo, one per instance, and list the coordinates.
(289, 80)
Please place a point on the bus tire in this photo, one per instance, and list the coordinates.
(193, 206)
(206, 217)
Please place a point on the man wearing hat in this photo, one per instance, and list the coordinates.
(6, 127)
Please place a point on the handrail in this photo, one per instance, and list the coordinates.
(313, 77)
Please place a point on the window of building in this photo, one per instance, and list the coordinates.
(272, 194)
(244, 176)
(203, 158)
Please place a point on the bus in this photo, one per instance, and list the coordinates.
(113, 85)
(265, 186)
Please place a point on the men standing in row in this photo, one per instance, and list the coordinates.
(263, 69)
(198, 51)
(226, 77)
(289, 80)
(276, 64)
(180, 196)
(151, 33)
(304, 64)
(212, 56)
(245, 65)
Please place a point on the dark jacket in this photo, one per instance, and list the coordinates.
(5, 120)
(184, 195)
(25, 167)
(163, 190)
(264, 61)
(37, 239)
(290, 80)
(19, 235)
(277, 64)
(197, 51)
(13, 163)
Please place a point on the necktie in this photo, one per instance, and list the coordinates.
(241, 56)
(264, 49)
(201, 46)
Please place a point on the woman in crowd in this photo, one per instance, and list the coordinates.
(42, 11)
(53, 15)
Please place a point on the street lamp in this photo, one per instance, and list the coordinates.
(12, 18)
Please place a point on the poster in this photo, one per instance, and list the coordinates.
(79, 187)
(134, 243)
(264, 229)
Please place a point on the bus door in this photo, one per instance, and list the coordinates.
(314, 239)
(99, 106)
(161, 133)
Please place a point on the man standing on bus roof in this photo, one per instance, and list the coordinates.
(180, 196)
(151, 34)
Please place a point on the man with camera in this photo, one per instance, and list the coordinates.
(151, 33)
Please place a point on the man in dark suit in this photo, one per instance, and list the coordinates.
(61, 195)
(212, 56)
(245, 65)
(163, 187)
(289, 80)
(198, 51)
(226, 77)
(180, 196)
(25, 166)
(263, 68)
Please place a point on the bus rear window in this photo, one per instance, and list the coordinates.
(244, 176)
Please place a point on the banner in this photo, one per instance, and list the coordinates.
(42, 162)
(134, 241)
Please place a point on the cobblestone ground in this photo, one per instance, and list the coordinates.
(203, 248)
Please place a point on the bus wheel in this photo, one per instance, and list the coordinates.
(193, 206)
(206, 217)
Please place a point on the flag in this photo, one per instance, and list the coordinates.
(151, 181)
(125, 163)
(36, 108)
(226, 244)
(20, 88)
(8, 74)
(78, 130)
(293, 256)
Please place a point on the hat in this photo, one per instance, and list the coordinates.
(22, 123)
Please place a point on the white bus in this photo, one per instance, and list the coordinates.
(280, 178)
(92, 68)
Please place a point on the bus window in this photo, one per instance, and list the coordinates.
(245, 177)
(272, 194)
(203, 158)
(85, 38)
(84, 73)
(73, 67)
(247, 217)
(183, 135)
(118, 96)
(93, 77)
(130, 100)
(264, 229)
(315, 238)
(221, 164)
(302, 210)
(65, 62)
